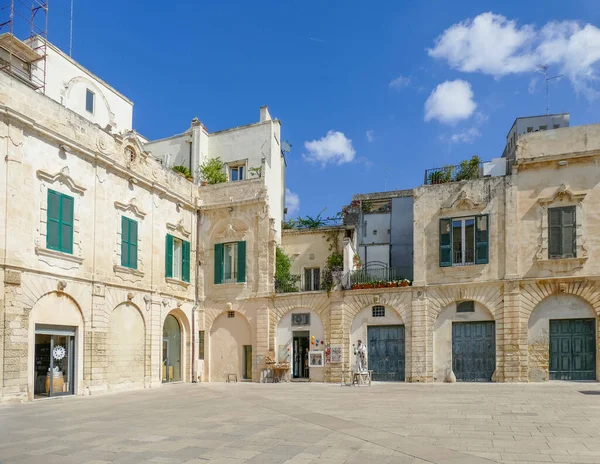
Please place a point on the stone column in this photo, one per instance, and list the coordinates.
(421, 349)
(515, 335)
(15, 340)
(262, 338)
(338, 335)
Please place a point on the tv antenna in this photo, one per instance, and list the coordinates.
(544, 70)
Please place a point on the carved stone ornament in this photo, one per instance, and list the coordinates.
(165, 302)
(61, 285)
(131, 206)
(63, 177)
(130, 296)
(562, 193)
(462, 202)
(179, 227)
(101, 143)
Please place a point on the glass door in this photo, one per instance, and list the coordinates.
(54, 362)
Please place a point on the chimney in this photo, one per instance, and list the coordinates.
(264, 114)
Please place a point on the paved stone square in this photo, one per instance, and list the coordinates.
(301, 423)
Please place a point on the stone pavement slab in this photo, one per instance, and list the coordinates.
(310, 423)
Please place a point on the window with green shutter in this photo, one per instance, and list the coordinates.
(177, 258)
(464, 241)
(230, 262)
(129, 246)
(59, 228)
(561, 233)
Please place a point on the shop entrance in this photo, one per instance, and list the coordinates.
(54, 361)
(301, 348)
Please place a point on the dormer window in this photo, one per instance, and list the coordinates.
(237, 173)
(90, 98)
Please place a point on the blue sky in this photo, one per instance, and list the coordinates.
(370, 94)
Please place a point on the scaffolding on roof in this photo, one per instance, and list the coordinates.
(23, 41)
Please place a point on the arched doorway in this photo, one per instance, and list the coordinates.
(55, 347)
(562, 340)
(126, 348)
(464, 342)
(171, 350)
(381, 329)
(230, 347)
(300, 332)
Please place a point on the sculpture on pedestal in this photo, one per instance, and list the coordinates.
(361, 356)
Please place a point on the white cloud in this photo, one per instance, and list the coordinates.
(334, 148)
(464, 136)
(450, 102)
(370, 135)
(494, 45)
(292, 201)
(399, 83)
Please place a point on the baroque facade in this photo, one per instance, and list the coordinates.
(117, 273)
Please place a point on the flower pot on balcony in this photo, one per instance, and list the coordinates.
(404, 284)
(368, 286)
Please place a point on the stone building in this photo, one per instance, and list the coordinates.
(118, 273)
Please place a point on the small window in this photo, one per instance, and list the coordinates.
(378, 311)
(543, 127)
(177, 258)
(465, 307)
(230, 314)
(389, 231)
(230, 262)
(236, 173)
(201, 345)
(375, 232)
(300, 319)
(556, 126)
(129, 245)
(90, 98)
(59, 226)
(364, 230)
(530, 129)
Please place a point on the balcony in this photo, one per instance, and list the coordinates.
(467, 170)
(299, 283)
(374, 277)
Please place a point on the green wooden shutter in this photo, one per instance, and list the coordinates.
(445, 242)
(218, 263)
(185, 261)
(66, 226)
(53, 221)
(133, 244)
(124, 241)
(241, 261)
(554, 233)
(169, 256)
(482, 237)
(569, 248)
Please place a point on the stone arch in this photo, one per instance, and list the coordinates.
(400, 301)
(69, 103)
(284, 339)
(436, 300)
(555, 306)
(126, 347)
(318, 303)
(227, 338)
(533, 294)
(56, 308)
(442, 335)
(184, 326)
(360, 330)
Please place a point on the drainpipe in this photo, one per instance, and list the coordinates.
(196, 299)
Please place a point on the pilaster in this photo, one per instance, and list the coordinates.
(515, 335)
(421, 347)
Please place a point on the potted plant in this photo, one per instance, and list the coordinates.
(356, 261)
(256, 171)
(212, 172)
(404, 283)
(183, 171)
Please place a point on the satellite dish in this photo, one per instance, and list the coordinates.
(285, 146)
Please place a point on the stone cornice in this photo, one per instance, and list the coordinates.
(131, 206)
(179, 227)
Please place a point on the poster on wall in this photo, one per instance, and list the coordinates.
(315, 359)
(336, 354)
(283, 354)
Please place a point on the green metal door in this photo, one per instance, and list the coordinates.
(573, 349)
(385, 352)
(474, 351)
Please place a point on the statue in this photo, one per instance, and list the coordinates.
(361, 352)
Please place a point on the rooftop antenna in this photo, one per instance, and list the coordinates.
(71, 32)
(544, 70)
